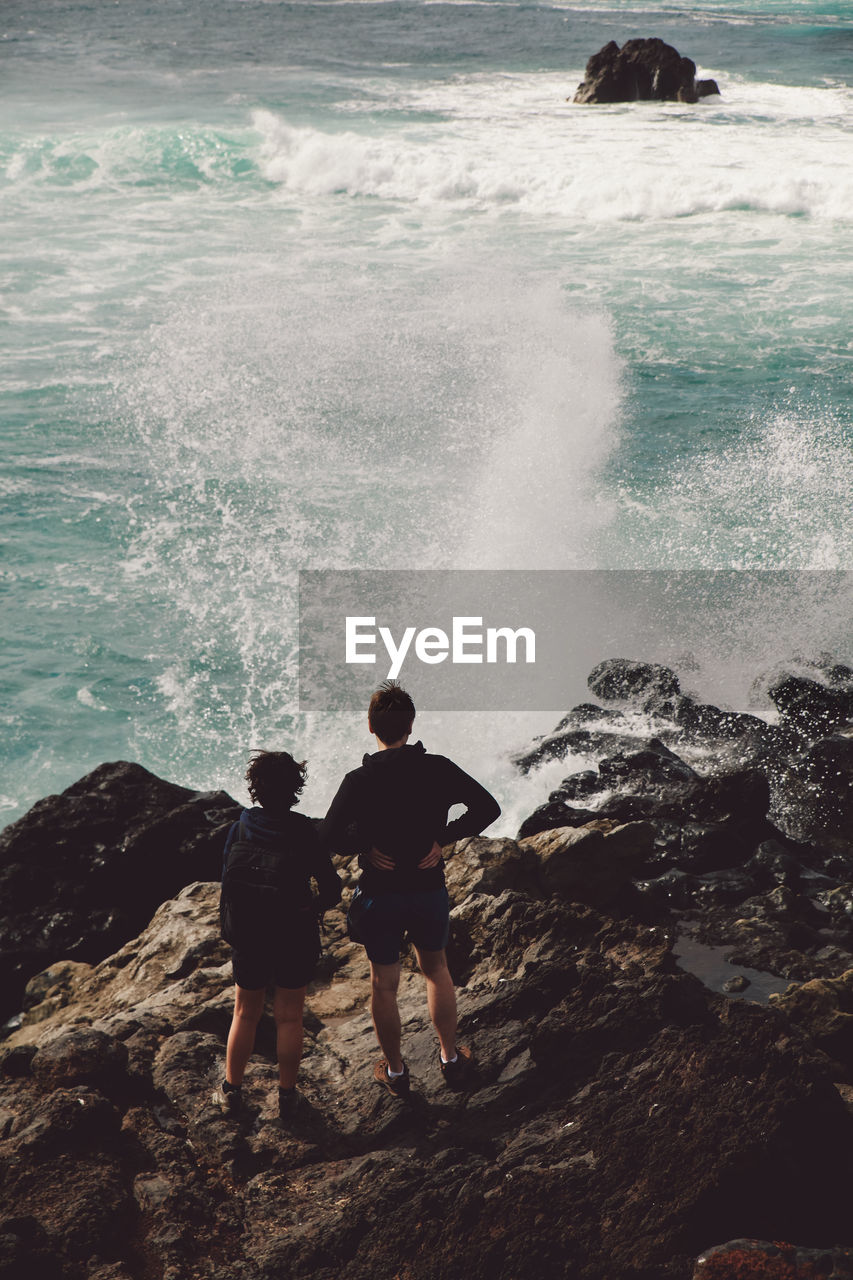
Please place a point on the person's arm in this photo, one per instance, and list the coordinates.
(324, 873)
(339, 831)
(481, 807)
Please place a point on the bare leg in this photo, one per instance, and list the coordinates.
(385, 979)
(248, 1007)
(288, 1004)
(441, 998)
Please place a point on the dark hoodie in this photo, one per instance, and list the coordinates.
(398, 801)
(298, 835)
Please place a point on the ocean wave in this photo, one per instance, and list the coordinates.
(642, 161)
(132, 157)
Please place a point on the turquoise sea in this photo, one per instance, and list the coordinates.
(354, 284)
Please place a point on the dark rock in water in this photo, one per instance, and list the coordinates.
(703, 722)
(577, 786)
(623, 680)
(705, 824)
(83, 871)
(556, 813)
(753, 823)
(763, 1260)
(811, 708)
(816, 793)
(642, 70)
(589, 713)
(591, 741)
(654, 770)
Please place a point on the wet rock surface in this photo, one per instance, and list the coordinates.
(752, 820)
(622, 1120)
(642, 70)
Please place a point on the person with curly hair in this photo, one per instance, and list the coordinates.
(272, 920)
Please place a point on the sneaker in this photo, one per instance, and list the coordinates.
(229, 1097)
(288, 1105)
(456, 1074)
(398, 1086)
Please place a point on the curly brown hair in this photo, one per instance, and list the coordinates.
(275, 779)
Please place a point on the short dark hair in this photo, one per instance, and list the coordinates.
(391, 712)
(275, 779)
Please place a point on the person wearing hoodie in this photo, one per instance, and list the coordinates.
(392, 812)
(272, 920)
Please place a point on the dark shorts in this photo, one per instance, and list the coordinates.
(383, 922)
(290, 962)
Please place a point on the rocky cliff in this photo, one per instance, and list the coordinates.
(625, 1121)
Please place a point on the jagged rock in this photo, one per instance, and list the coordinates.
(587, 864)
(84, 1057)
(707, 823)
(780, 932)
(481, 865)
(624, 680)
(641, 70)
(82, 872)
(812, 709)
(823, 1008)
(604, 1078)
(655, 770)
(621, 1116)
(818, 793)
(761, 1260)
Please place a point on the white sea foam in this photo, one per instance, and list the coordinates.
(512, 142)
(86, 698)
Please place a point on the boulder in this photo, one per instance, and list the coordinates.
(81, 1057)
(815, 792)
(642, 70)
(84, 871)
(823, 1008)
(763, 1260)
(590, 864)
(811, 708)
(481, 865)
(624, 680)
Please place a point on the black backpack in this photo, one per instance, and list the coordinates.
(265, 890)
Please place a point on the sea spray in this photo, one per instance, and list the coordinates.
(271, 299)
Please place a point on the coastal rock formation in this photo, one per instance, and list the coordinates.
(83, 871)
(641, 71)
(753, 822)
(621, 1117)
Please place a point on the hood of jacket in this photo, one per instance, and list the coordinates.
(395, 761)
